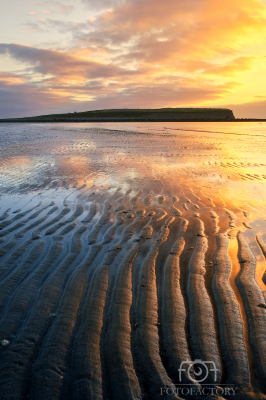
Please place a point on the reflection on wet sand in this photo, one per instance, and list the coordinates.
(126, 250)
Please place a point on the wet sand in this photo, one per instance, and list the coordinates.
(128, 251)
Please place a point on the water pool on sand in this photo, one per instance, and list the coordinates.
(127, 249)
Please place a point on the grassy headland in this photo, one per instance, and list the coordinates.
(134, 115)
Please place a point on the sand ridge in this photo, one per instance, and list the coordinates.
(107, 287)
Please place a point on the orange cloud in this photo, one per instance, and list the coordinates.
(60, 64)
(145, 53)
(251, 109)
(180, 36)
(240, 64)
(207, 25)
(7, 79)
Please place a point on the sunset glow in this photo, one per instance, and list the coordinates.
(58, 57)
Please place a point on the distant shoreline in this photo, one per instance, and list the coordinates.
(134, 115)
(139, 115)
(79, 120)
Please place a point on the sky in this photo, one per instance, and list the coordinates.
(65, 56)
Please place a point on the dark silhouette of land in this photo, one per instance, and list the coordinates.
(134, 115)
(141, 115)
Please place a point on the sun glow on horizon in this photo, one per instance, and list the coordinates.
(134, 54)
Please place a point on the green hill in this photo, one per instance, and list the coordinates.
(130, 115)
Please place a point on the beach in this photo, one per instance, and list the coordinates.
(130, 253)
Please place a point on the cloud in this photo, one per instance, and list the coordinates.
(140, 53)
(102, 4)
(37, 12)
(176, 34)
(25, 100)
(60, 64)
(61, 26)
(237, 65)
(47, 4)
(164, 94)
(67, 8)
(191, 25)
(252, 109)
(7, 79)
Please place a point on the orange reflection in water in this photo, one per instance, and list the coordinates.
(260, 269)
(235, 269)
(16, 162)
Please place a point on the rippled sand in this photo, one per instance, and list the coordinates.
(127, 250)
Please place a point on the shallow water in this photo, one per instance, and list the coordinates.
(102, 173)
(222, 160)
